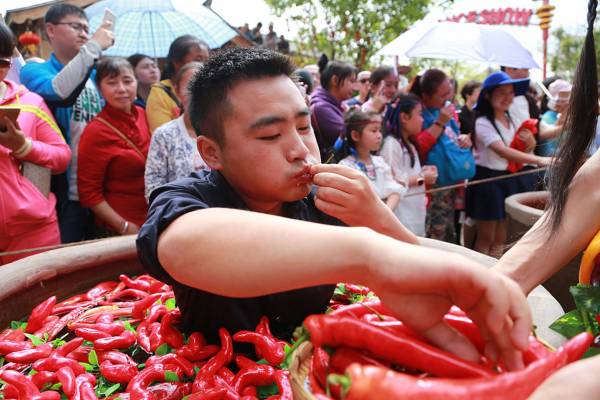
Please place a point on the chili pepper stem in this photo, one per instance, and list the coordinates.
(337, 379)
(288, 358)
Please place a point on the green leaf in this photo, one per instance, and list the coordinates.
(128, 327)
(93, 357)
(170, 304)
(171, 376)
(35, 340)
(56, 343)
(267, 391)
(569, 325)
(88, 367)
(141, 365)
(18, 325)
(162, 350)
(56, 386)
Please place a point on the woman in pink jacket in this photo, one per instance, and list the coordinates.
(27, 216)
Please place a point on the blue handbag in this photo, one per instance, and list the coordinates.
(453, 163)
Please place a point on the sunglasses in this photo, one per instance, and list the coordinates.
(5, 62)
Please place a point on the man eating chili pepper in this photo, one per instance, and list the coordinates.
(262, 233)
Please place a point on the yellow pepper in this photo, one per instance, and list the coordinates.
(588, 261)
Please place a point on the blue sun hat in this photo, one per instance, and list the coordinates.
(501, 78)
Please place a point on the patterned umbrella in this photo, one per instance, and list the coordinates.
(149, 26)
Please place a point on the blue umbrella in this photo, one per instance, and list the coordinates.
(149, 26)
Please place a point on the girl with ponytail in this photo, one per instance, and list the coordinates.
(573, 215)
(401, 124)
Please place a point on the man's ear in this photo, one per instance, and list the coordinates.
(50, 31)
(210, 151)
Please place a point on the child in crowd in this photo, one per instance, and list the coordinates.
(402, 122)
(363, 138)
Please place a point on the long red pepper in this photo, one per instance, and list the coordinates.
(320, 365)
(343, 357)
(270, 349)
(31, 355)
(282, 379)
(91, 334)
(67, 378)
(54, 364)
(257, 375)
(125, 340)
(172, 359)
(100, 290)
(43, 378)
(39, 314)
(369, 382)
(396, 348)
(357, 310)
(156, 338)
(138, 386)
(170, 334)
(118, 373)
(9, 346)
(15, 335)
(68, 347)
(170, 390)
(115, 357)
(203, 380)
(80, 354)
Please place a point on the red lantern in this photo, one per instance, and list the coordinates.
(29, 38)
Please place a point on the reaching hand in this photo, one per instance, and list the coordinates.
(464, 141)
(528, 139)
(420, 285)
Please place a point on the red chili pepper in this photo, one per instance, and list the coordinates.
(70, 346)
(112, 329)
(343, 357)
(80, 354)
(115, 357)
(172, 359)
(381, 382)
(396, 348)
(244, 362)
(270, 349)
(67, 378)
(91, 334)
(143, 336)
(128, 294)
(155, 312)
(282, 379)
(59, 310)
(42, 378)
(536, 351)
(31, 355)
(64, 320)
(249, 391)
(227, 375)
(196, 339)
(105, 318)
(10, 392)
(193, 353)
(118, 373)
(79, 298)
(468, 328)
(357, 310)
(54, 364)
(170, 334)
(85, 387)
(47, 325)
(23, 384)
(9, 346)
(256, 375)
(320, 365)
(357, 289)
(170, 390)
(216, 393)
(125, 340)
(390, 324)
(135, 283)
(39, 314)
(206, 374)
(100, 290)
(138, 386)
(140, 307)
(15, 335)
(156, 338)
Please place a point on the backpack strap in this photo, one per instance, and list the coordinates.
(171, 94)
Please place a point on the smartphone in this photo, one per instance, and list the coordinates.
(11, 113)
(109, 16)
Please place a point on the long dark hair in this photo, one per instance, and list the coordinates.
(580, 124)
(400, 104)
(485, 109)
(329, 69)
(427, 83)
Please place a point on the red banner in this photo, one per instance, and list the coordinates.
(501, 16)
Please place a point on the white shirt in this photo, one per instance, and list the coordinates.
(384, 182)
(519, 110)
(412, 209)
(485, 135)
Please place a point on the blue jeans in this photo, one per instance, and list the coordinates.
(75, 222)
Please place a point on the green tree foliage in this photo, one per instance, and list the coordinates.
(355, 28)
(563, 60)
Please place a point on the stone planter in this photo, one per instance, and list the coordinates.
(72, 270)
(522, 211)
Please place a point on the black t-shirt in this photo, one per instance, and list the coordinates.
(207, 312)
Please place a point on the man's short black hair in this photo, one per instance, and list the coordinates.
(210, 87)
(57, 12)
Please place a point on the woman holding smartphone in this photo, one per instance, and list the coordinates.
(27, 216)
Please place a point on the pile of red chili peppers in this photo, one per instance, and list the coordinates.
(119, 341)
(361, 352)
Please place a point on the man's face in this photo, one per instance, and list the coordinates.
(269, 142)
(68, 35)
(363, 82)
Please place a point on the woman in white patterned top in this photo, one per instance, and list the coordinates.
(173, 153)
